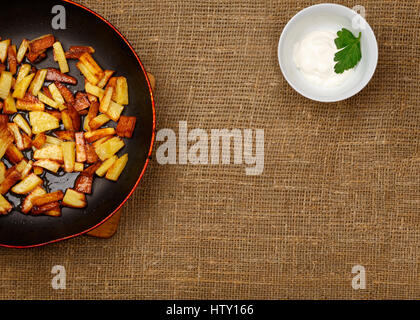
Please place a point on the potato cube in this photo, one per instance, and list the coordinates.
(74, 199)
(27, 184)
(6, 80)
(42, 121)
(5, 206)
(27, 204)
(117, 168)
(60, 57)
(102, 170)
(52, 152)
(47, 164)
(107, 149)
(69, 154)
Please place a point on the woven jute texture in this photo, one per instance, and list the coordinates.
(340, 187)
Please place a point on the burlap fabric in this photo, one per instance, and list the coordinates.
(340, 186)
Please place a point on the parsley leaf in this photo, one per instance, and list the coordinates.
(350, 55)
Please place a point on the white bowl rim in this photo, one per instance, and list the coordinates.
(356, 89)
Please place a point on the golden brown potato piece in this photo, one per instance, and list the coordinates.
(48, 198)
(12, 177)
(52, 152)
(126, 126)
(39, 140)
(76, 51)
(117, 168)
(5, 206)
(27, 204)
(13, 154)
(27, 184)
(50, 209)
(6, 139)
(80, 147)
(65, 92)
(12, 59)
(65, 135)
(55, 75)
(48, 164)
(74, 199)
(84, 184)
(92, 136)
(42, 43)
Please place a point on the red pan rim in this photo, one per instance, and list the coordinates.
(151, 143)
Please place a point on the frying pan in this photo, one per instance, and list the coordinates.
(31, 19)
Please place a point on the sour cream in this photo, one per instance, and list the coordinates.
(314, 57)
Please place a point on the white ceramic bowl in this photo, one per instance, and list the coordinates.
(327, 17)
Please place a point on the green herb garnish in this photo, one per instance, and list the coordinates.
(350, 55)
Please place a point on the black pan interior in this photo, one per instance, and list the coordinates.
(31, 19)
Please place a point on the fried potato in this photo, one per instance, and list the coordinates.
(53, 140)
(76, 51)
(6, 79)
(117, 168)
(81, 102)
(5, 206)
(69, 154)
(79, 167)
(93, 111)
(22, 86)
(6, 139)
(104, 80)
(24, 70)
(83, 184)
(38, 82)
(48, 198)
(94, 90)
(56, 75)
(4, 46)
(50, 209)
(51, 152)
(22, 124)
(102, 170)
(11, 178)
(92, 136)
(74, 199)
(27, 204)
(91, 156)
(2, 172)
(12, 59)
(60, 57)
(65, 135)
(48, 164)
(26, 105)
(9, 105)
(107, 149)
(126, 126)
(98, 121)
(106, 100)
(87, 60)
(45, 99)
(114, 111)
(80, 147)
(42, 43)
(42, 121)
(65, 93)
(39, 140)
(14, 129)
(27, 184)
(13, 154)
(24, 46)
(120, 95)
